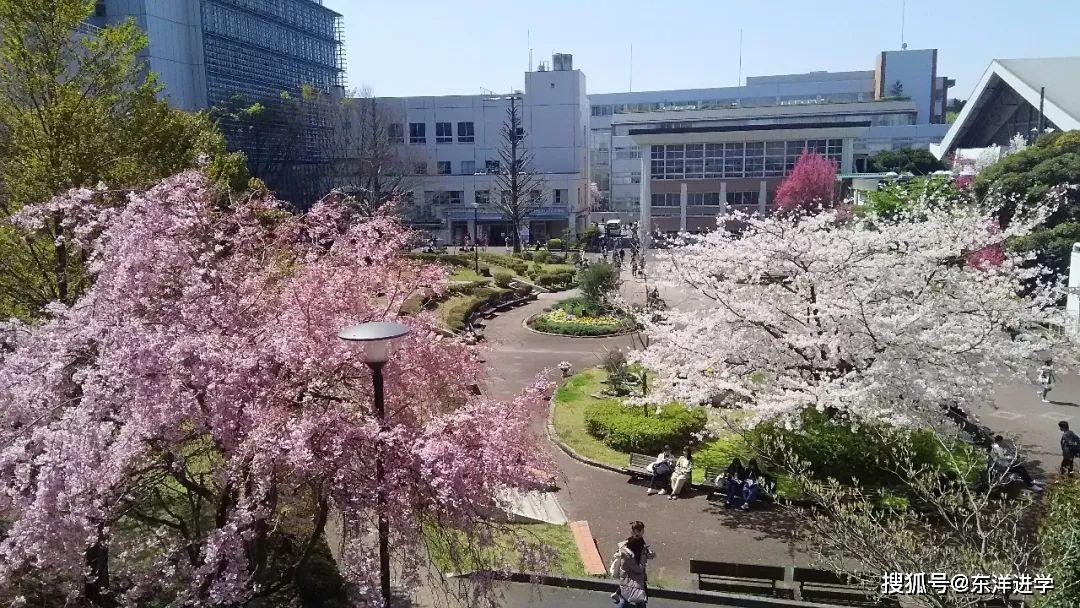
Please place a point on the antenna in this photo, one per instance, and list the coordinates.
(528, 38)
(739, 83)
(631, 67)
(903, 15)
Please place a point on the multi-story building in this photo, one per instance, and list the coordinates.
(450, 148)
(905, 81)
(205, 51)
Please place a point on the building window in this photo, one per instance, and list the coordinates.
(468, 167)
(447, 197)
(465, 132)
(442, 167)
(491, 166)
(700, 199)
(482, 197)
(743, 198)
(560, 196)
(396, 133)
(417, 133)
(670, 199)
(443, 133)
(420, 168)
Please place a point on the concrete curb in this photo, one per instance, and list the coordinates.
(696, 596)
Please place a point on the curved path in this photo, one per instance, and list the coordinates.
(677, 530)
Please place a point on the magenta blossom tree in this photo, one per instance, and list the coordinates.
(184, 433)
(810, 185)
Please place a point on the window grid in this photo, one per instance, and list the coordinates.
(465, 132)
(417, 133)
(444, 133)
(442, 167)
(736, 159)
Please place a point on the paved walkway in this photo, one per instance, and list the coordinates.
(677, 530)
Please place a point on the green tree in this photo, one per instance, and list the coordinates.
(1029, 175)
(1059, 542)
(908, 160)
(78, 108)
(597, 282)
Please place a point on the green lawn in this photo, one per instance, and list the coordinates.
(467, 274)
(504, 554)
(571, 401)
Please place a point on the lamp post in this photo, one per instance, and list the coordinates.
(475, 243)
(376, 339)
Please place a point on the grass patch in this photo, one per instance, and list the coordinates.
(503, 552)
(466, 274)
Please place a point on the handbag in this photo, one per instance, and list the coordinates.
(664, 467)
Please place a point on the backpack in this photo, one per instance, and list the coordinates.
(1072, 443)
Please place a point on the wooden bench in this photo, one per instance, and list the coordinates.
(741, 578)
(831, 588)
(637, 467)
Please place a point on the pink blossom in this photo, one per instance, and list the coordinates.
(203, 365)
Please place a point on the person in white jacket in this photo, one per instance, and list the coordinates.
(629, 566)
(684, 467)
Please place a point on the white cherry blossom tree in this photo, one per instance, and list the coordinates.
(877, 319)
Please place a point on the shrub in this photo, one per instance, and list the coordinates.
(597, 281)
(527, 255)
(630, 430)
(452, 259)
(555, 244)
(557, 259)
(834, 449)
(485, 270)
(514, 263)
(542, 256)
(581, 307)
(503, 278)
(1059, 541)
(560, 278)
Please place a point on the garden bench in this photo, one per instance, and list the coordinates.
(831, 588)
(766, 492)
(637, 465)
(741, 578)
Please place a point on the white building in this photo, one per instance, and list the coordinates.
(908, 77)
(452, 145)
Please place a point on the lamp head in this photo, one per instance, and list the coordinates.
(376, 339)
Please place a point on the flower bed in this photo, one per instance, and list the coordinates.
(574, 318)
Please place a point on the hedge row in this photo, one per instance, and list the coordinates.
(457, 315)
(628, 429)
(542, 323)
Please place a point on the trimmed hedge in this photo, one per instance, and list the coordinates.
(544, 324)
(542, 256)
(554, 244)
(562, 278)
(453, 259)
(627, 429)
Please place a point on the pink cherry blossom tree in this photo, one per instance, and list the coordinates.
(810, 185)
(877, 318)
(186, 430)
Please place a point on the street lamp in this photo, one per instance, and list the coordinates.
(376, 340)
(475, 243)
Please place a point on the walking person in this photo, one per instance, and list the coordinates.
(1046, 379)
(684, 466)
(1070, 448)
(661, 470)
(629, 566)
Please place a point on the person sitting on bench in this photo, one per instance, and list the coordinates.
(733, 478)
(684, 467)
(751, 484)
(661, 470)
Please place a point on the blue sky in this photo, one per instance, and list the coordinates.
(427, 47)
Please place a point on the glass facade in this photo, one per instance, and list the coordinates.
(259, 48)
(736, 159)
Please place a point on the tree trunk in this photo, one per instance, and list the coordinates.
(96, 584)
